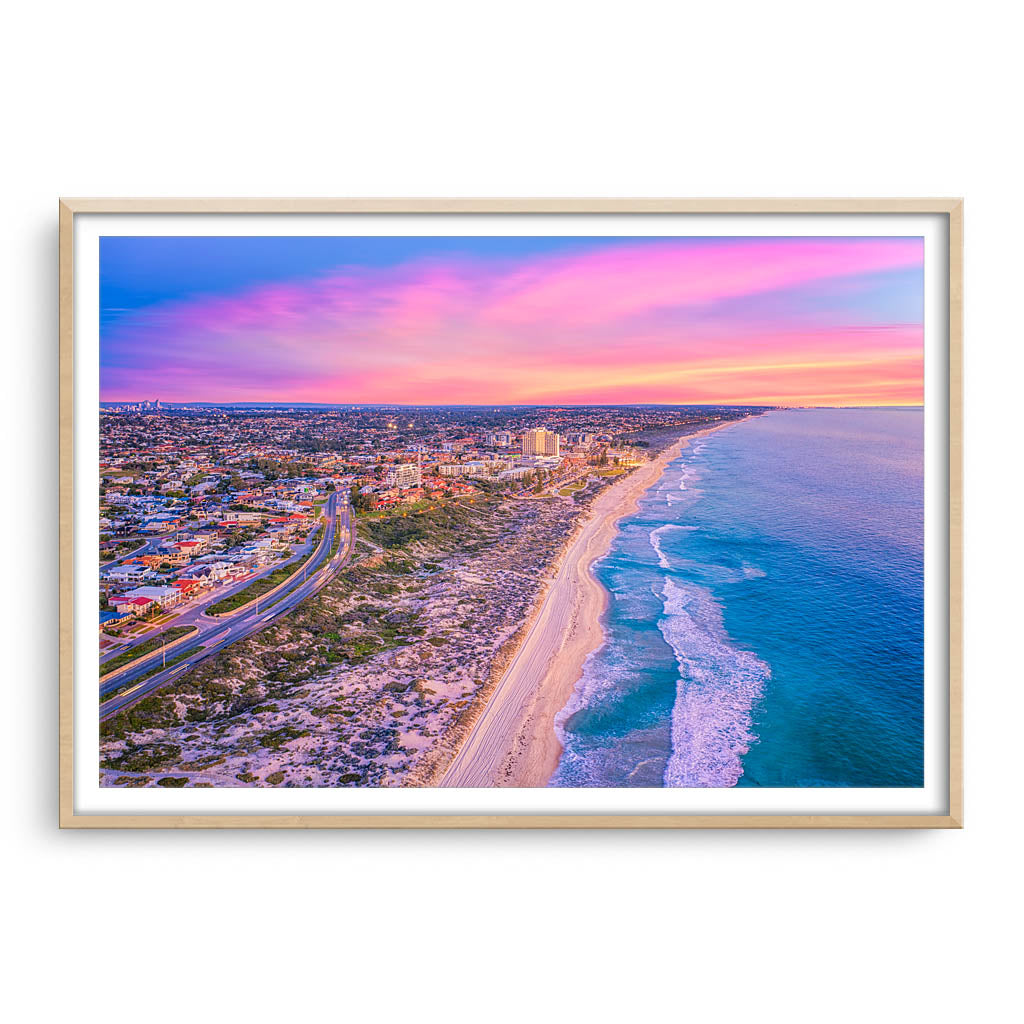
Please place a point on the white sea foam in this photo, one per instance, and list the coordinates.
(718, 686)
(591, 684)
(717, 573)
(655, 537)
(668, 491)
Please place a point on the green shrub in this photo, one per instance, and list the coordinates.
(132, 781)
(276, 739)
(144, 757)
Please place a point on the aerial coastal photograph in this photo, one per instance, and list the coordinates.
(511, 511)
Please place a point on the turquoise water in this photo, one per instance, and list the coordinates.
(766, 619)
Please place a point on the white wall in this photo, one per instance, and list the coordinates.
(877, 98)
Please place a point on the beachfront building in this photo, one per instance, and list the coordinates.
(626, 457)
(540, 442)
(492, 467)
(517, 473)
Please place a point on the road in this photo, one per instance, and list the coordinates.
(194, 613)
(217, 633)
(149, 546)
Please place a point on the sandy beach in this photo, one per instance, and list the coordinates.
(513, 742)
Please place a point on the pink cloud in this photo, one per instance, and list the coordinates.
(622, 322)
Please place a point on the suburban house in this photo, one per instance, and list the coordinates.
(129, 572)
(136, 606)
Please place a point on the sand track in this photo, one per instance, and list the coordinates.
(513, 742)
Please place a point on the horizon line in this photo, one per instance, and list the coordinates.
(513, 405)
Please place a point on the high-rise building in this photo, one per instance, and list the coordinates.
(540, 442)
(500, 439)
(403, 475)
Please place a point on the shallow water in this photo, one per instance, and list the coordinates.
(765, 626)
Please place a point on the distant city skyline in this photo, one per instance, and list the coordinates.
(512, 321)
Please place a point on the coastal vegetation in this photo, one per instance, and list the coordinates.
(373, 681)
(432, 524)
(367, 682)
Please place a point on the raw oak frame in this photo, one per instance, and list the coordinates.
(950, 207)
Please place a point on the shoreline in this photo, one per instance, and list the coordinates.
(513, 740)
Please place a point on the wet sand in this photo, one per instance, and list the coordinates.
(513, 742)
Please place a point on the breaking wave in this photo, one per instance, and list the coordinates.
(718, 686)
(592, 684)
(655, 536)
(669, 492)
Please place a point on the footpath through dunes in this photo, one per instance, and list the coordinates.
(513, 741)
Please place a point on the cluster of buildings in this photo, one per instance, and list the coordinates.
(177, 518)
(498, 457)
(197, 496)
(191, 556)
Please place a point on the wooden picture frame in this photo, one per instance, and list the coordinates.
(950, 209)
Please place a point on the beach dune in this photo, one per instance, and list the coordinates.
(513, 741)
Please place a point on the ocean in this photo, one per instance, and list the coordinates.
(766, 617)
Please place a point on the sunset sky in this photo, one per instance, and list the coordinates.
(512, 320)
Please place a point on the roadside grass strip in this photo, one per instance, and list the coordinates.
(144, 649)
(259, 587)
(335, 544)
(134, 684)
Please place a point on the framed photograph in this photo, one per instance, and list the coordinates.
(510, 513)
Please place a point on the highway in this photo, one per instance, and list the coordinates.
(193, 613)
(217, 633)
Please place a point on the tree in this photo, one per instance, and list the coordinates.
(360, 502)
